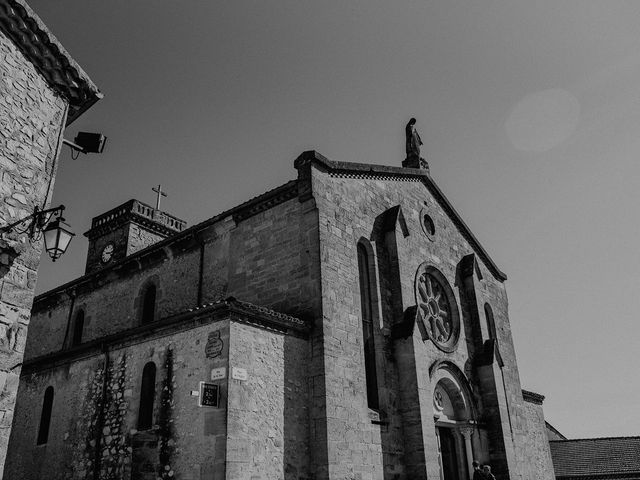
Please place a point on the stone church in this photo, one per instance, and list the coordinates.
(345, 325)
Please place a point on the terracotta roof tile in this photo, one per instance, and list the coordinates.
(596, 457)
(48, 56)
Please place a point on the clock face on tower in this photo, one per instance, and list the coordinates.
(107, 252)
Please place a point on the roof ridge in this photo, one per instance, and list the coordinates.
(594, 439)
(248, 305)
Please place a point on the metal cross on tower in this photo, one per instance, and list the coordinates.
(160, 194)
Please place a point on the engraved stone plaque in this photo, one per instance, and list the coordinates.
(214, 345)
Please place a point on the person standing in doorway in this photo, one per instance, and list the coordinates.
(478, 474)
(486, 470)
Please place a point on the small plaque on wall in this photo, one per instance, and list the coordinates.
(214, 345)
(209, 395)
(239, 373)
(218, 373)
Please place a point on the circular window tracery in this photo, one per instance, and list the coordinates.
(438, 400)
(437, 309)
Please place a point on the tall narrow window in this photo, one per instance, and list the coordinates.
(45, 416)
(78, 327)
(149, 304)
(367, 307)
(491, 326)
(147, 396)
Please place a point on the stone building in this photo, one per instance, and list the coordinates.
(345, 325)
(42, 90)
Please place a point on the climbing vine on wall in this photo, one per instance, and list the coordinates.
(115, 449)
(91, 416)
(166, 430)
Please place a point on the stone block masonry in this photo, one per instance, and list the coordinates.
(41, 90)
(267, 413)
(356, 204)
(32, 117)
(258, 429)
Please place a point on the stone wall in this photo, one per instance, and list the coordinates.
(114, 302)
(267, 412)
(536, 460)
(140, 238)
(94, 252)
(258, 431)
(32, 118)
(269, 259)
(273, 260)
(353, 207)
(126, 239)
(94, 424)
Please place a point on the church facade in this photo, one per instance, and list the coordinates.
(345, 325)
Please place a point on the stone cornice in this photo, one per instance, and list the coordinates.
(138, 259)
(231, 309)
(48, 56)
(257, 205)
(383, 172)
(532, 397)
(358, 170)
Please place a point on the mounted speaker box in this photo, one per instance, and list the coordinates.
(91, 142)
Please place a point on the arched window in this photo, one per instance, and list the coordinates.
(147, 396)
(149, 304)
(78, 327)
(45, 416)
(491, 326)
(367, 307)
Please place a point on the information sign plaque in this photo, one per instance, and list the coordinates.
(239, 373)
(209, 395)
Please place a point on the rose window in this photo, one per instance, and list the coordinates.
(436, 313)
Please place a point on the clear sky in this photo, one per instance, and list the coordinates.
(529, 111)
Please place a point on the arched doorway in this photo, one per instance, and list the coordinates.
(454, 424)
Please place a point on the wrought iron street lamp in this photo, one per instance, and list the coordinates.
(57, 234)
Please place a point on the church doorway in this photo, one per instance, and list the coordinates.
(454, 424)
(448, 454)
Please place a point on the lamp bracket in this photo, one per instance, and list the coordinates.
(36, 221)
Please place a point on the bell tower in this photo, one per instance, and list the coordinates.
(127, 229)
